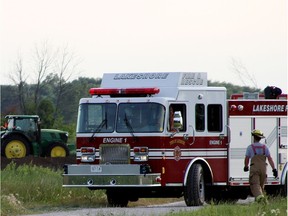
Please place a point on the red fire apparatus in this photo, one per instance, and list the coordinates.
(129, 143)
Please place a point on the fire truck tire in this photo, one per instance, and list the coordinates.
(57, 150)
(15, 147)
(284, 188)
(194, 192)
(116, 199)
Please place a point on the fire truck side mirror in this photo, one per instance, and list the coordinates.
(174, 131)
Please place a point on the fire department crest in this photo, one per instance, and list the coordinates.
(177, 153)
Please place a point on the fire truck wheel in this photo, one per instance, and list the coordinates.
(194, 192)
(15, 147)
(116, 199)
(57, 150)
(283, 189)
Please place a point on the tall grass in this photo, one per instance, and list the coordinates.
(29, 188)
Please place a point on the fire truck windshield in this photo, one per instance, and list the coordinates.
(140, 118)
(96, 118)
(131, 118)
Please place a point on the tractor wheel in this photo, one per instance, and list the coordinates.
(194, 192)
(58, 150)
(15, 147)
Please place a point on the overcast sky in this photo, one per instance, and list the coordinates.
(152, 36)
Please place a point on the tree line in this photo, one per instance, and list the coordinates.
(57, 111)
(51, 95)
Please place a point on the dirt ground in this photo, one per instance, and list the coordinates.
(54, 163)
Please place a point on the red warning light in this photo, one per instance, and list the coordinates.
(123, 91)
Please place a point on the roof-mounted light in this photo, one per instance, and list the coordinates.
(124, 91)
(103, 91)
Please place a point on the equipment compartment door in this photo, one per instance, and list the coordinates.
(241, 128)
(241, 138)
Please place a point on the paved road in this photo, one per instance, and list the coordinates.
(153, 210)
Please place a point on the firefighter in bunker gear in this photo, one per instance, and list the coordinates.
(258, 153)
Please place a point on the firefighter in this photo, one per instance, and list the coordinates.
(258, 153)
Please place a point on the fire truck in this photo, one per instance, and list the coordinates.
(130, 144)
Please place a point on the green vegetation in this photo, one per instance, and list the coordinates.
(28, 188)
(31, 189)
(276, 207)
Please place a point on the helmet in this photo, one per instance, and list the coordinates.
(257, 133)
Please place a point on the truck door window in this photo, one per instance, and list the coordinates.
(200, 117)
(95, 118)
(140, 118)
(177, 117)
(215, 120)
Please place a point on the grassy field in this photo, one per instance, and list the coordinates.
(29, 189)
(276, 207)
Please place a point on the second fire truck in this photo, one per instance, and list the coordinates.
(171, 135)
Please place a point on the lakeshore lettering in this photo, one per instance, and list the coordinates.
(139, 76)
(187, 79)
(270, 108)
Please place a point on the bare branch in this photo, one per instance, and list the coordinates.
(19, 79)
(243, 74)
(65, 67)
(43, 62)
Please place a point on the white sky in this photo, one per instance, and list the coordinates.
(153, 35)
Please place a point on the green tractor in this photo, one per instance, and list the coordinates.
(22, 136)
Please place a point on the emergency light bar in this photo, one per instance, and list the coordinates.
(123, 91)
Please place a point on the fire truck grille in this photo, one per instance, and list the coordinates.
(114, 154)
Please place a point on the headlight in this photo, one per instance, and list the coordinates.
(141, 154)
(88, 154)
(88, 158)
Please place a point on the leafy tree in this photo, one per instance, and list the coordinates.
(75, 90)
(233, 89)
(70, 128)
(46, 110)
(9, 100)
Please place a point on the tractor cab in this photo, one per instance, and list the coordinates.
(28, 124)
(24, 123)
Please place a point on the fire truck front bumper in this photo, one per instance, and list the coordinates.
(105, 176)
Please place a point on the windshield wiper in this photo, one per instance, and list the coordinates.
(100, 126)
(129, 126)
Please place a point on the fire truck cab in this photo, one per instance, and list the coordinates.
(172, 135)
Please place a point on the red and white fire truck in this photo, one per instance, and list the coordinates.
(130, 144)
